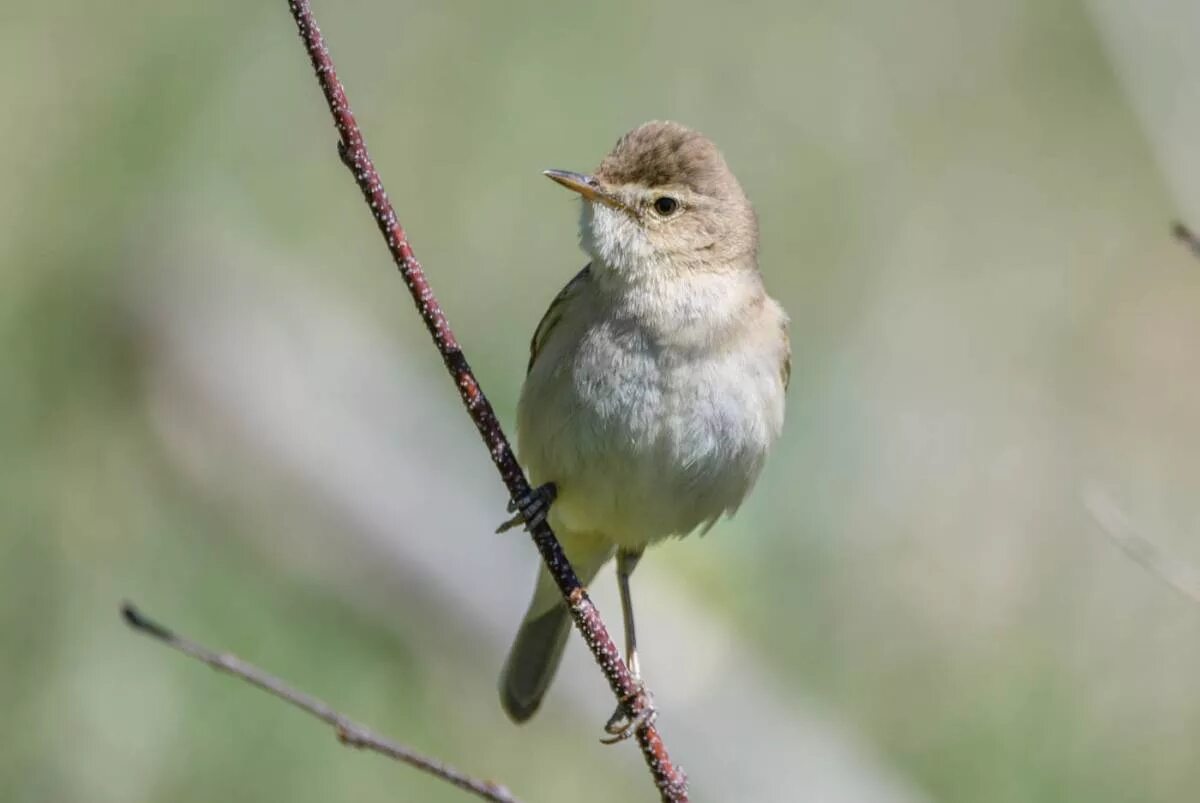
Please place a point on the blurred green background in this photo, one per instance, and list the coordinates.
(215, 398)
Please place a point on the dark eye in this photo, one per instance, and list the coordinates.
(665, 205)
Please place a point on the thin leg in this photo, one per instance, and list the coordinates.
(619, 725)
(627, 561)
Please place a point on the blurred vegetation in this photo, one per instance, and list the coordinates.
(959, 209)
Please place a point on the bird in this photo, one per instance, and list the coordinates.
(655, 384)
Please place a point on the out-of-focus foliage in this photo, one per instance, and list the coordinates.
(960, 210)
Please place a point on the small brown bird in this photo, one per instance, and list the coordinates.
(655, 384)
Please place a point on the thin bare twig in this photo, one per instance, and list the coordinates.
(1187, 237)
(668, 778)
(349, 733)
(1113, 522)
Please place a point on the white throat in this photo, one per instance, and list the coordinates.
(678, 305)
(613, 238)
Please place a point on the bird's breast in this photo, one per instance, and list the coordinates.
(647, 438)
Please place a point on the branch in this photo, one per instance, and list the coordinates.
(1187, 237)
(634, 698)
(349, 733)
(1181, 577)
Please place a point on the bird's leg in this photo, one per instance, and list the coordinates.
(531, 509)
(621, 726)
(627, 561)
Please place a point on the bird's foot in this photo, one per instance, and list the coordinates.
(531, 509)
(621, 725)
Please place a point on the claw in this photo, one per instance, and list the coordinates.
(531, 509)
(621, 726)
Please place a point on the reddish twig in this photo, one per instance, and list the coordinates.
(1187, 237)
(349, 733)
(670, 780)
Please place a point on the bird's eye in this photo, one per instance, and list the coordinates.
(665, 205)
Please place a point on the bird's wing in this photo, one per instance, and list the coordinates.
(555, 312)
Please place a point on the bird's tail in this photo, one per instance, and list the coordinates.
(538, 647)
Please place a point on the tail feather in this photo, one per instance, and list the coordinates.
(538, 647)
(532, 662)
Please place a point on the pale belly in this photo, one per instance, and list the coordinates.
(643, 447)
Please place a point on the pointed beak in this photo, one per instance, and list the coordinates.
(587, 186)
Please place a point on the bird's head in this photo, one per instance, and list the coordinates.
(664, 202)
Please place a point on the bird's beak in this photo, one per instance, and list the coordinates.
(587, 186)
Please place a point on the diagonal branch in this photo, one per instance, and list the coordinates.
(1186, 236)
(1178, 575)
(670, 779)
(1181, 577)
(349, 733)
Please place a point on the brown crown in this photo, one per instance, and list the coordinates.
(660, 154)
